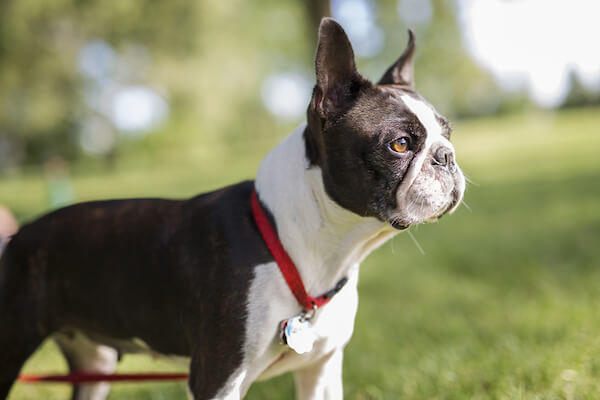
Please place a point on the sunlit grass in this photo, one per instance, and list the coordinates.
(503, 304)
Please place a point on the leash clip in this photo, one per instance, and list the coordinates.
(308, 315)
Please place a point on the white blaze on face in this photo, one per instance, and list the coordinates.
(433, 131)
(425, 114)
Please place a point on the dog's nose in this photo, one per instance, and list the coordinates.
(443, 155)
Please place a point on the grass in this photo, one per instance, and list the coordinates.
(503, 304)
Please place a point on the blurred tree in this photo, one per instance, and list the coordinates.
(209, 60)
(41, 88)
(579, 95)
(444, 71)
(316, 9)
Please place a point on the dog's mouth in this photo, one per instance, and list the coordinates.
(428, 199)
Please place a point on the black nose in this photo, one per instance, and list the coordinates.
(442, 156)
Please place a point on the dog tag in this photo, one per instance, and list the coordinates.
(298, 333)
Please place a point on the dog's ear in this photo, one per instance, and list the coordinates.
(338, 80)
(402, 71)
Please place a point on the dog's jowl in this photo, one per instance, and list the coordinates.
(240, 289)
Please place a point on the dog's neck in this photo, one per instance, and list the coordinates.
(324, 240)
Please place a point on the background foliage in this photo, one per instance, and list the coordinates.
(205, 58)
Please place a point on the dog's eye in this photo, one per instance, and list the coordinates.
(400, 145)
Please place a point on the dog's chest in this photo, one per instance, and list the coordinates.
(333, 324)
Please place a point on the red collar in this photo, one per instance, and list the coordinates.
(285, 263)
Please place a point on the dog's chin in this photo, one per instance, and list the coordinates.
(402, 220)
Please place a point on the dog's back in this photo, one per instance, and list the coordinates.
(84, 268)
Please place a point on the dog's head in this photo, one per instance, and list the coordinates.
(384, 151)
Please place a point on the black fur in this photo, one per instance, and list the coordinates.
(174, 273)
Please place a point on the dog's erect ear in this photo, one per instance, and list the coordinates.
(337, 78)
(402, 71)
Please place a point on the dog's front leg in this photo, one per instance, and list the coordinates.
(204, 386)
(322, 380)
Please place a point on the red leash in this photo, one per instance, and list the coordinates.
(85, 377)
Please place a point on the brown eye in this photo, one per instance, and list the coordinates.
(400, 145)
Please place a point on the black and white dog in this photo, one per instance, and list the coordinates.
(196, 279)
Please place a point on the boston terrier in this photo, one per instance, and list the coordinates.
(252, 280)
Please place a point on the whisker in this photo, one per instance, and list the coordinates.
(464, 203)
(469, 180)
(414, 239)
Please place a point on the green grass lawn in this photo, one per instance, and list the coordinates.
(504, 304)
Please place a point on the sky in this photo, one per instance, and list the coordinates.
(535, 43)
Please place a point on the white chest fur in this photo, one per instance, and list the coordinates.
(333, 324)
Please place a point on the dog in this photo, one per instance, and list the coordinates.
(224, 280)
